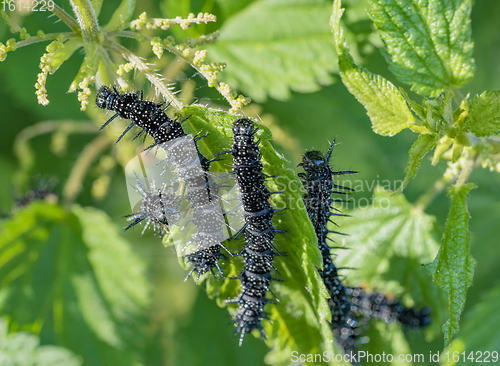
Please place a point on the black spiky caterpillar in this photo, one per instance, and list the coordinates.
(349, 306)
(258, 252)
(378, 306)
(319, 186)
(158, 208)
(153, 121)
(41, 188)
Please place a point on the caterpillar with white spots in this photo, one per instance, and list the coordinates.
(169, 134)
(259, 251)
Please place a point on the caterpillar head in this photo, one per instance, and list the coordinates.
(243, 126)
(102, 97)
(313, 161)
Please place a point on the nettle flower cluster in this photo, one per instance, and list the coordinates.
(99, 41)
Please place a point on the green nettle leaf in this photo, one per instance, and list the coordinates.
(388, 339)
(87, 285)
(484, 114)
(23, 349)
(230, 7)
(420, 148)
(480, 333)
(122, 15)
(439, 113)
(388, 241)
(453, 267)
(384, 103)
(428, 42)
(298, 323)
(279, 45)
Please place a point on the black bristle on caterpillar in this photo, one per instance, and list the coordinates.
(258, 252)
(151, 118)
(318, 183)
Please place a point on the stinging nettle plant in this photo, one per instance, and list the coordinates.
(461, 130)
(428, 45)
(98, 42)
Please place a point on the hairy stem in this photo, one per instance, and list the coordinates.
(427, 197)
(87, 20)
(450, 176)
(89, 154)
(166, 23)
(466, 171)
(154, 78)
(66, 18)
(107, 72)
(48, 37)
(175, 51)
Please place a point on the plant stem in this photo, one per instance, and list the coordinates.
(66, 18)
(48, 37)
(175, 51)
(459, 95)
(461, 178)
(87, 20)
(426, 198)
(150, 74)
(159, 22)
(89, 154)
(106, 71)
(466, 171)
(21, 147)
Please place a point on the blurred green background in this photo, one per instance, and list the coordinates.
(184, 326)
